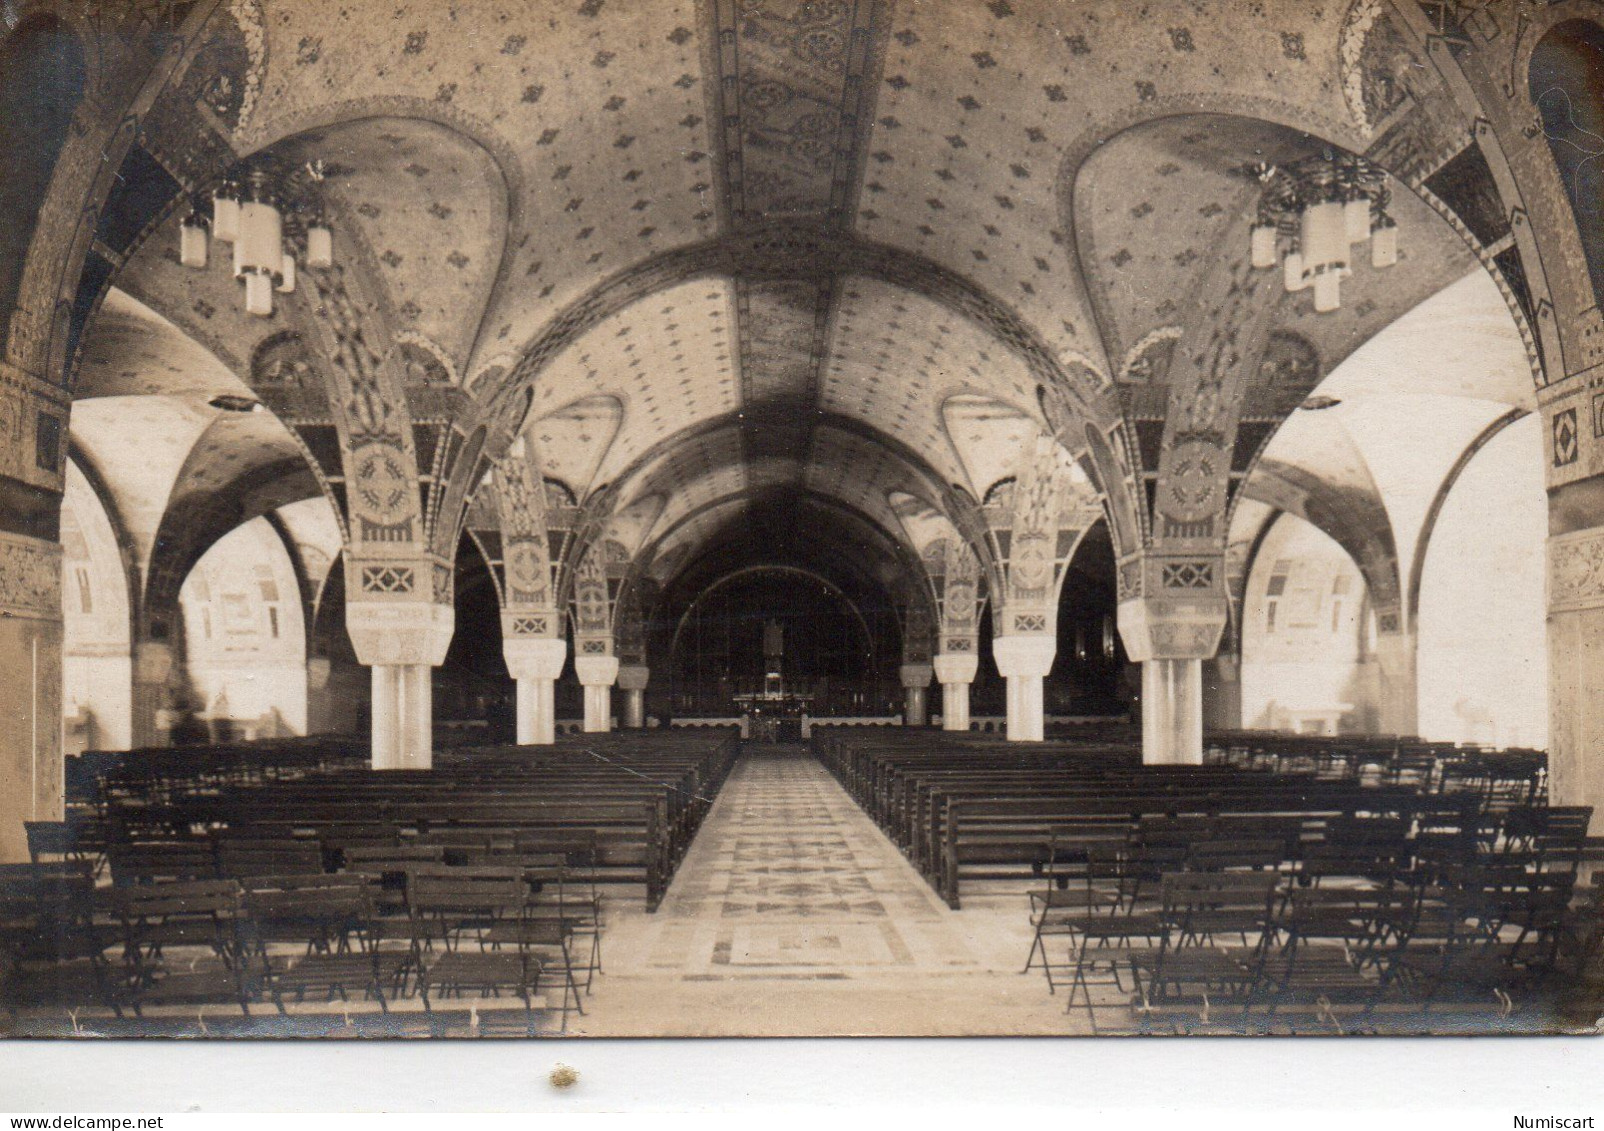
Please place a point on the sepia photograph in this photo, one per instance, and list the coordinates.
(801, 518)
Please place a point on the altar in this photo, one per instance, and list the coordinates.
(773, 714)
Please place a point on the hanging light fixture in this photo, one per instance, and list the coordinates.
(268, 214)
(1320, 207)
(193, 237)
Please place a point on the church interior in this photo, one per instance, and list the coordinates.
(801, 517)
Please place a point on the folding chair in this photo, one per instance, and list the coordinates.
(1105, 939)
(1336, 957)
(460, 907)
(1082, 880)
(78, 840)
(1186, 976)
(547, 874)
(52, 952)
(329, 922)
(180, 943)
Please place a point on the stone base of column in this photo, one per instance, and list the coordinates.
(403, 717)
(632, 680)
(535, 663)
(401, 642)
(1172, 712)
(955, 671)
(597, 674)
(1024, 662)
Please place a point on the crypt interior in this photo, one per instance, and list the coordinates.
(783, 393)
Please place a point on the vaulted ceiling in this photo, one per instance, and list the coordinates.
(708, 256)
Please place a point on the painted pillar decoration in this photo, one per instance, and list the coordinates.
(636, 592)
(532, 641)
(1173, 599)
(916, 669)
(399, 611)
(954, 571)
(1036, 527)
(596, 582)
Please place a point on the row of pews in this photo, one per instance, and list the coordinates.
(1326, 887)
(303, 881)
(967, 808)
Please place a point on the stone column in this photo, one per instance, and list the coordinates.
(1222, 692)
(1576, 670)
(955, 671)
(596, 674)
(535, 663)
(402, 642)
(1395, 659)
(1024, 662)
(1172, 712)
(1170, 638)
(31, 768)
(632, 680)
(915, 678)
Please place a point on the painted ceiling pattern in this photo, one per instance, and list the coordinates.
(946, 207)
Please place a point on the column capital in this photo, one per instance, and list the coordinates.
(1172, 628)
(916, 675)
(956, 667)
(399, 632)
(633, 677)
(596, 671)
(532, 657)
(1024, 656)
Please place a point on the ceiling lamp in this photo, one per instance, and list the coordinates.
(1319, 208)
(266, 212)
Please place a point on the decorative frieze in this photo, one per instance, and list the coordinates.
(30, 578)
(1576, 570)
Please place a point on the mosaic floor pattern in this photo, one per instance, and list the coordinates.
(793, 915)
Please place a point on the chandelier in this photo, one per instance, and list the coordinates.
(1321, 207)
(269, 213)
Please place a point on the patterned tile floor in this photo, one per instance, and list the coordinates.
(793, 915)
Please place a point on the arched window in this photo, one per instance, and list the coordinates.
(1565, 87)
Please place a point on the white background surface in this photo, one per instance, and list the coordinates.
(1195, 1083)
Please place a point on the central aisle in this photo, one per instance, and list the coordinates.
(792, 915)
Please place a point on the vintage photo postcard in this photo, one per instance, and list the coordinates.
(801, 518)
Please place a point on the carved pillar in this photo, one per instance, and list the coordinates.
(1170, 638)
(632, 679)
(30, 689)
(535, 663)
(1576, 670)
(596, 675)
(1024, 662)
(915, 678)
(955, 671)
(401, 641)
